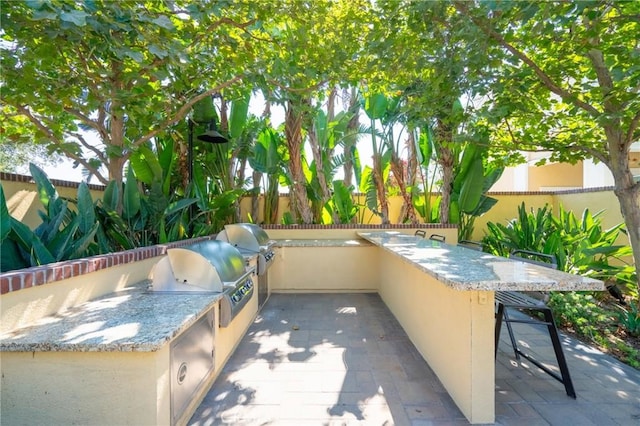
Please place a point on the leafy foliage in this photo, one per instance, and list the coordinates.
(124, 70)
(581, 246)
(64, 233)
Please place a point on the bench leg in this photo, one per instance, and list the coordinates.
(512, 336)
(564, 377)
(557, 348)
(498, 327)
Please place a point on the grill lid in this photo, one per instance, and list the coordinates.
(247, 236)
(226, 259)
(206, 266)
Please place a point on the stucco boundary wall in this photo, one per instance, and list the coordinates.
(20, 193)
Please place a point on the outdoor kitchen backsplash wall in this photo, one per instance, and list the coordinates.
(28, 295)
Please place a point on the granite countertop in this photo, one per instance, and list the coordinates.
(322, 243)
(129, 320)
(466, 269)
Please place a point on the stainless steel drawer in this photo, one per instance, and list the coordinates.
(192, 360)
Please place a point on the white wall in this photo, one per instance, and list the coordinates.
(595, 175)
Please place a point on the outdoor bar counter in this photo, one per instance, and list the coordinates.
(445, 303)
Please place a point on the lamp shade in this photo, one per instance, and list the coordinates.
(212, 135)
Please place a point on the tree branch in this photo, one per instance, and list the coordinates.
(184, 110)
(39, 124)
(56, 141)
(635, 121)
(552, 147)
(86, 120)
(90, 147)
(544, 78)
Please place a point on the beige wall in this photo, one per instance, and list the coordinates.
(452, 329)
(26, 306)
(114, 387)
(595, 202)
(555, 175)
(23, 204)
(507, 208)
(313, 269)
(124, 388)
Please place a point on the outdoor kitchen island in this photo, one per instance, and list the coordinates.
(443, 296)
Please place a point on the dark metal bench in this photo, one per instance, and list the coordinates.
(506, 300)
(520, 301)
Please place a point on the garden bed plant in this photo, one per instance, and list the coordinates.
(608, 320)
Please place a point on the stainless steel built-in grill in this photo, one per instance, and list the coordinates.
(253, 242)
(210, 266)
(206, 267)
(250, 239)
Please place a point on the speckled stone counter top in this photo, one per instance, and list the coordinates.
(124, 321)
(322, 243)
(465, 269)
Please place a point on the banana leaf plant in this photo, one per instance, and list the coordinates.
(327, 135)
(421, 198)
(64, 233)
(474, 176)
(268, 158)
(153, 211)
(341, 204)
(581, 245)
(219, 169)
(374, 178)
(473, 179)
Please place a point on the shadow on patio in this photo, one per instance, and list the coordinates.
(324, 359)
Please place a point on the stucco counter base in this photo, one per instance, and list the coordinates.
(106, 361)
(443, 296)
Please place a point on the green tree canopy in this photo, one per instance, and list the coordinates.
(569, 85)
(124, 71)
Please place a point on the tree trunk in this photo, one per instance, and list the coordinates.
(350, 139)
(317, 152)
(446, 161)
(627, 191)
(224, 116)
(408, 212)
(378, 180)
(255, 198)
(412, 160)
(300, 208)
(629, 198)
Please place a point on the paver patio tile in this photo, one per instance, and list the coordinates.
(350, 363)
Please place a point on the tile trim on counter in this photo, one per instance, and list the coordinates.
(45, 274)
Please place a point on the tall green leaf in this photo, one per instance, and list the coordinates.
(375, 106)
(204, 111)
(167, 160)
(46, 191)
(86, 212)
(110, 196)
(131, 199)
(472, 187)
(146, 165)
(79, 246)
(5, 217)
(238, 117)
(368, 187)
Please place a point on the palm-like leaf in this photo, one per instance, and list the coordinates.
(5, 217)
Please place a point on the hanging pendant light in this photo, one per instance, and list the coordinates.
(212, 135)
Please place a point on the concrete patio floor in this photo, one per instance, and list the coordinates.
(342, 359)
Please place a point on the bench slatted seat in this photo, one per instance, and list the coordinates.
(506, 300)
